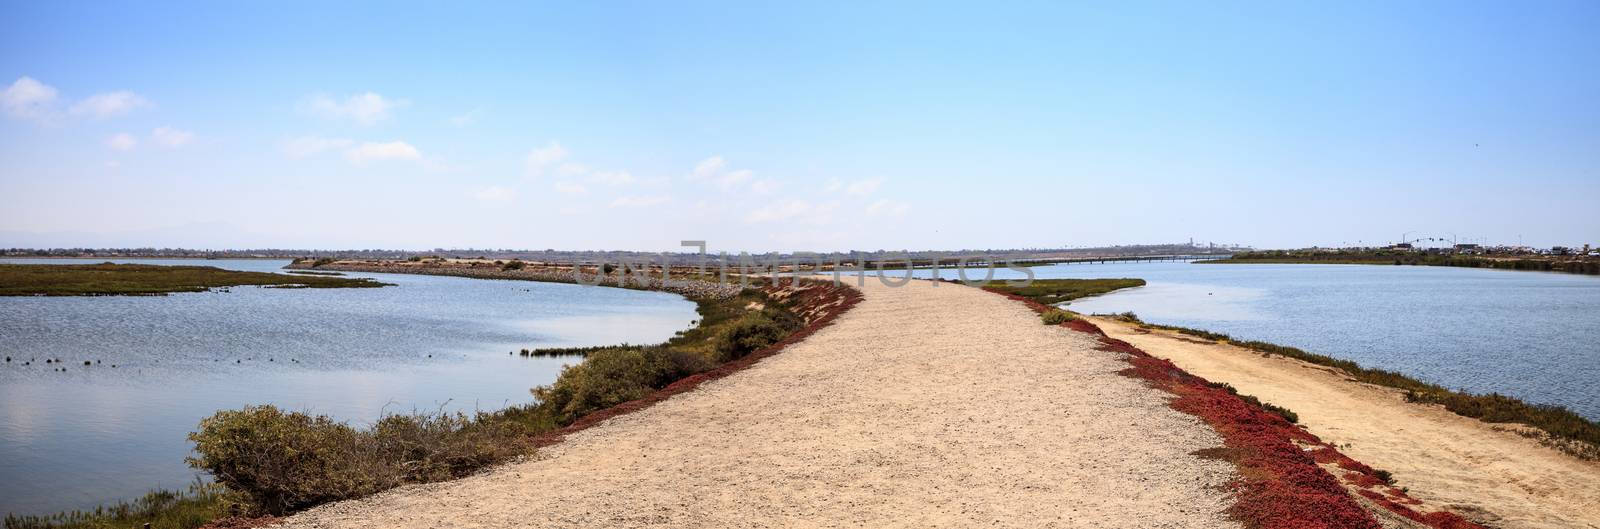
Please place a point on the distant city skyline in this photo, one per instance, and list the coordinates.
(808, 127)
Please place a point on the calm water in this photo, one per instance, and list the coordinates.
(1532, 335)
(97, 434)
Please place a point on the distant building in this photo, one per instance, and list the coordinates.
(1468, 249)
(1404, 247)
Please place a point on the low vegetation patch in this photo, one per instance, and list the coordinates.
(1568, 431)
(1054, 291)
(1275, 409)
(1056, 317)
(107, 279)
(201, 503)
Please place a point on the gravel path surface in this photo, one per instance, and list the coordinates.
(923, 406)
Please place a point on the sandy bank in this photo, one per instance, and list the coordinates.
(922, 406)
(1484, 471)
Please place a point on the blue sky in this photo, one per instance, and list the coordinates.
(809, 126)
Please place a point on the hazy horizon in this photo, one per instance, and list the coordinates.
(632, 126)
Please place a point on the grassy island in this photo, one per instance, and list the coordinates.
(107, 279)
(1053, 291)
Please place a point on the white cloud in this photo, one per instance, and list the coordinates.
(732, 179)
(640, 201)
(864, 187)
(28, 98)
(109, 104)
(709, 167)
(466, 120)
(572, 169)
(540, 158)
(304, 146)
(171, 137)
(715, 170)
(570, 188)
(367, 108)
(494, 194)
(889, 208)
(122, 142)
(794, 209)
(374, 151)
(833, 186)
(764, 186)
(611, 178)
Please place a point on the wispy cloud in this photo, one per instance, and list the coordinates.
(794, 210)
(569, 188)
(543, 157)
(611, 178)
(170, 137)
(863, 187)
(640, 201)
(716, 170)
(497, 194)
(466, 120)
(888, 208)
(368, 108)
(305, 146)
(122, 142)
(382, 151)
(109, 104)
(27, 98)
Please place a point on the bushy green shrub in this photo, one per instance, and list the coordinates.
(613, 376)
(430, 448)
(285, 461)
(513, 265)
(1056, 317)
(754, 331)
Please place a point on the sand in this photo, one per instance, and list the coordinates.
(1483, 471)
(923, 406)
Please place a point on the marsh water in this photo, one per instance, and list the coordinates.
(1532, 335)
(99, 433)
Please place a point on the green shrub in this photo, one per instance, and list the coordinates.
(513, 265)
(1056, 317)
(754, 331)
(286, 461)
(613, 376)
(429, 448)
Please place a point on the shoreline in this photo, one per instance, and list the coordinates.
(1495, 473)
(1576, 265)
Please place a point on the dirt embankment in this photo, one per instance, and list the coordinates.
(1487, 472)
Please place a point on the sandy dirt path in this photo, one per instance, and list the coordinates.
(1444, 459)
(923, 406)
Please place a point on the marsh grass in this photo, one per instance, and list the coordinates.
(1054, 291)
(107, 279)
(194, 507)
